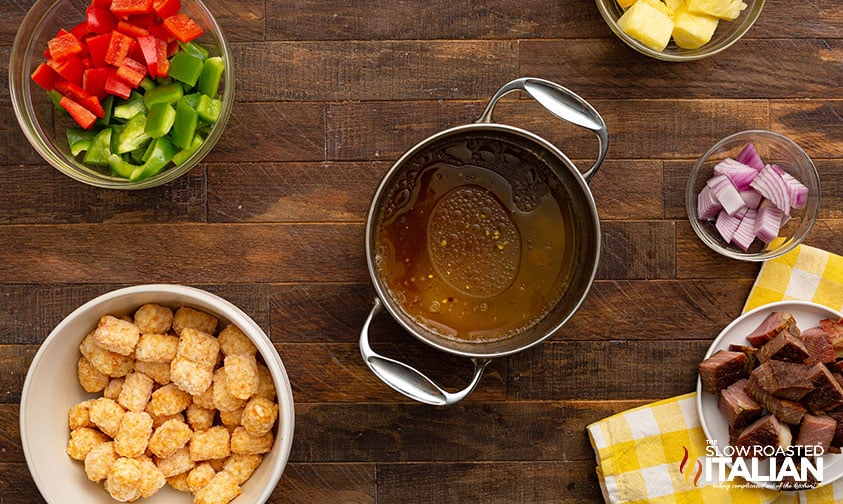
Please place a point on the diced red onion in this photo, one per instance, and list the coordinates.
(751, 198)
(749, 156)
(768, 221)
(772, 186)
(727, 224)
(707, 205)
(797, 190)
(740, 174)
(745, 234)
(726, 193)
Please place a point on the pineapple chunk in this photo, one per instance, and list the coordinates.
(692, 31)
(674, 5)
(625, 3)
(723, 9)
(648, 22)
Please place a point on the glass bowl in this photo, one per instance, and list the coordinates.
(772, 148)
(45, 129)
(727, 33)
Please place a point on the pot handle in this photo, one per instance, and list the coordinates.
(408, 380)
(562, 103)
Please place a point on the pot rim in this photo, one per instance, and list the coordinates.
(388, 301)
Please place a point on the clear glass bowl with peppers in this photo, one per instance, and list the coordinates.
(122, 94)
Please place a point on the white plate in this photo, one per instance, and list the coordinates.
(713, 422)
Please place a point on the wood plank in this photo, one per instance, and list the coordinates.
(637, 250)
(16, 359)
(16, 147)
(270, 131)
(816, 19)
(17, 485)
(298, 192)
(363, 70)
(440, 19)
(239, 20)
(604, 370)
(58, 199)
(10, 440)
(216, 253)
(39, 308)
(638, 129)
(608, 68)
(412, 432)
(536, 482)
(814, 125)
(619, 196)
(352, 483)
(695, 260)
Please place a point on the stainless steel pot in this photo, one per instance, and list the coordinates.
(563, 104)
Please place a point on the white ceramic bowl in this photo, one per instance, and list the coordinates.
(51, 388)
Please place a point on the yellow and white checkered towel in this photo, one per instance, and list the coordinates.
(655, 453)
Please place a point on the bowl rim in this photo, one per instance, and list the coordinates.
(716, 245)
(21, 88)
(692, 54)
(222, 307)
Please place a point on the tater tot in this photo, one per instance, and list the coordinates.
(241, 466)
(241, 375)
(156, 347)
(110, 363)
(114, 387)
(199, 418)
(233, 341)
(169, 400)
(231, 418)
(200, 476)
(99, 461)
(179, 482)
(106, 414)
(266, 386)
(222, 489)
(136, 391)
(116, 335)
(199, 347)
(224, 401)
(79, 415)
(259, 416)
(152, 479)
(84, 440)
(191, 377)
(153, 318)
(206, 398)
(124, 479)
(133, 436)
(243, 442)
(158, 371)
(218, 463)
(195, 319)
(158, 420)
(176, 463)
(170, 437)
(91, 378)
(213, 443)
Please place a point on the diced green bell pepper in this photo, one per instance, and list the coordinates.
(148, 84)
(55, 97)
(120, 166)
(160, 120)
(195, 49)
(208, 108)
(108, 109)
(182, 155)
(97, 153)
(185, 68)
(161, 154)
(132, 136)
(166, 93)
(79, 140)
(192, 99)
(131, 107)
(184, 126)
(209, 80)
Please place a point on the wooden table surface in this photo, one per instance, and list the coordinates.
(329, 94)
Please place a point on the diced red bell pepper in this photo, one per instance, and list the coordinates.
(45, 76)
(93, 81)
(80, 96)
(131, 30)
(158, 31)
(163, 63)
(129, 7)
(117, 86)
(182, 27)
(166, 8)
(143, 20)
(100, 19)
(102, 3)
(131, 71)
(98, 47)
(80, 30)
(70, 69)
(118, 48)
(172, 48)
(80, 114)
(64, 46)
(148, 45)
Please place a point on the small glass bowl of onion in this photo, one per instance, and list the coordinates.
(753, 196)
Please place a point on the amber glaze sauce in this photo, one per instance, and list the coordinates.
(475, 244)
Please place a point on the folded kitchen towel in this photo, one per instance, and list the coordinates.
(657, 453)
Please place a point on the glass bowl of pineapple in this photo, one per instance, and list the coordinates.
(680, 30)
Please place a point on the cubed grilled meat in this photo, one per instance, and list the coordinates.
(818, 345)
(766, 431)
(827, 394)
(816, 430)
(784, 346)
(739, 409)
(784, 380)
(785, 410)
(722, 369)
(775, 323)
